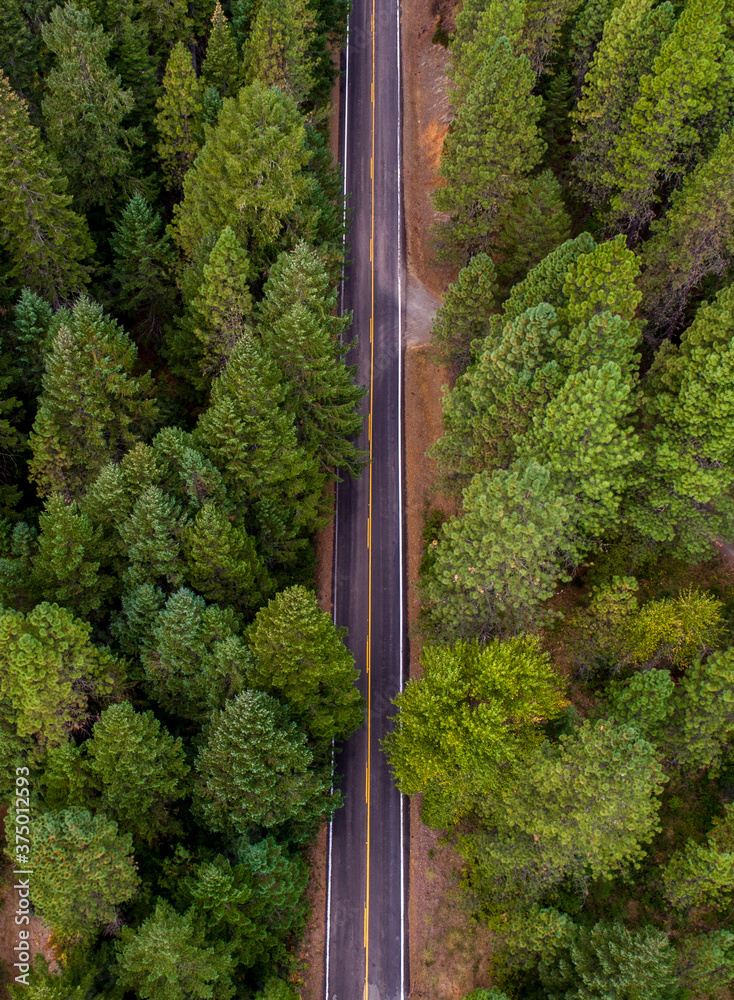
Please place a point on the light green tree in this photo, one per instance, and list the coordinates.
(278, 51)
(704, 717)
(83, 870)
(250, 175)
(586, 807)
(502, 557)
(299, 656)
(50, 670)
(178, 118)
(685, 94)
(473, 714)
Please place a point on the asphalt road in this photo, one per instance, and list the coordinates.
(366, 913)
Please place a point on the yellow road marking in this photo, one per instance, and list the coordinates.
(369, 531)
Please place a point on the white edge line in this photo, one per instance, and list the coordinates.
(336, 512)
(400, 482)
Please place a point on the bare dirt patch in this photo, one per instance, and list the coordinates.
(426, 118)
(311, 954)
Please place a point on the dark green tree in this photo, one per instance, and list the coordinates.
(153, 536)
(492, 147)
(84, 110)
(464, 314)
(45, 240)
(143, 257)
(693, 240)
(168, 958)
(254, 771)
(138, 769)
(221, 66)
(302, 334)
(194, 660)
(92, 407)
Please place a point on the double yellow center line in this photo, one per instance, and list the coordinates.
(369, 525)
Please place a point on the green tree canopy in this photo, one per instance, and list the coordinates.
(178, 118)
(92, 408)
(300, 657)
(254, 771)
(279, 49)
(83, 870)
(50, 670)
(46, 241)
(473, 714)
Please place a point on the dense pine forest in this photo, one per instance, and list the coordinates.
(175, 406)
(572, 728)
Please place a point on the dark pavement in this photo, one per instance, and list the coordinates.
(366, 911)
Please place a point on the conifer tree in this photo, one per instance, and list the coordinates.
(533, 224)
(83, 871)
(84, 109)
(138, 768)
(632, 39)
(299, 656)
(496, 562)
(223, 305)
(693, 240)
(687, 94)
(463, 316)
(261, 139)
(177, 121)
(586, 34)
(50, 669)
(545, 283)
(252, 905)
(169, 958)
(278, 50)
(32, 335)
(249, 435)
(222, 561)
(544, 20)
(193, 658)
(478, 29)
(706, 961)
(221, 67)
(153, 536)
(682, 495)
(66, 567)
(46, 241)
(20, 50)
(303, 336)
(133, 626)
(142, 261)
(92, 407)
(586, 441)
(254, 770)
(452, 742)
(492, 147)
(180, 469)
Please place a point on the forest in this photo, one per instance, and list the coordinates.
(175, 405)
(571, 729)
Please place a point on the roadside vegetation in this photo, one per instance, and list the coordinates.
(174, 407)
(571, 730)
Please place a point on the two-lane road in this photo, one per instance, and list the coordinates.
(366, 955)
